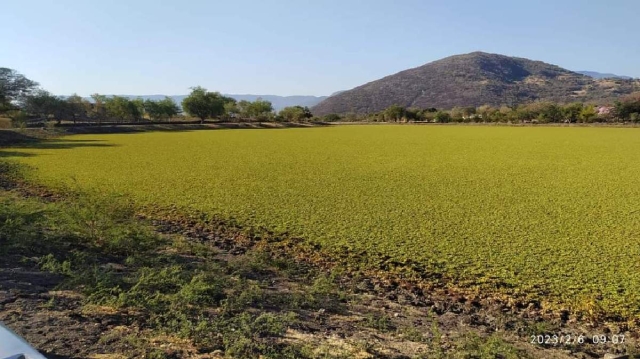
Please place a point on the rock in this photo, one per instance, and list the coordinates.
(616, 356)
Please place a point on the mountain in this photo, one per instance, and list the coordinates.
(278, 102)
(475, 79)
(600, 75)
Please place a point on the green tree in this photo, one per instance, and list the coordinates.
(61, 109)
(42, 104)
(259, 110)
(78, 107)
(549, 112)
(169, 107)
(442, 117)
(332, 117)
(231, 110)
(527, 112)
(571, 112)
(136, 109)
(98, 110)
(164, 109)
(123, 109)
(588, 114)
(203, 104)
(295, 114)
(413, 114)
(153, 109)
(627, 106)
(14, 87)
(394, 113)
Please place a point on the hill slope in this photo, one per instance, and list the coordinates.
(475, 79)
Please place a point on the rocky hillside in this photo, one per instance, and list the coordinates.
(476, 79)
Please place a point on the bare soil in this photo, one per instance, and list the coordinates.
(381, 320)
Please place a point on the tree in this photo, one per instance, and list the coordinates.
(259, 110)
(60, 109)
(136, 109)
(571, 112)
(486, 112)
(162, 109)
(526, 112)
(332, 117)
(588, 114)
(394, 113)
(203, 104)
(99, 110)
(14, 87)
(457, 114)
(468, 111)
(549, 112)
(153, 109)
(627, 106)
(231, 110)
(78, 107)
(41, 103)
(295, 113)
(122, 108)
(413, 114)
(442, 117)
(170, 108)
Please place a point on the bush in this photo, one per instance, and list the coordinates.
(18, 118)
(442, 117)
(332, 117)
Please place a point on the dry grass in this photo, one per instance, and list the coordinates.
(5, 122)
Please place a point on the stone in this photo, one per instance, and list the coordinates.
(616, 356)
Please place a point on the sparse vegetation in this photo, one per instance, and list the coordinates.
(476, 79)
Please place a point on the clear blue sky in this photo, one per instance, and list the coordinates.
(297, 47)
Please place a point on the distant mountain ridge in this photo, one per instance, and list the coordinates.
(475, 79)
(278, 102)
(600, 75)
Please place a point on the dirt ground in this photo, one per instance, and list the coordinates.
(397, 324)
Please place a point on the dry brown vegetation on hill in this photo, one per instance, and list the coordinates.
(476, 79)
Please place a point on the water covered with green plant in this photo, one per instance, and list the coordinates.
(549, 213)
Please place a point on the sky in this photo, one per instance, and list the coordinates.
(145, 47)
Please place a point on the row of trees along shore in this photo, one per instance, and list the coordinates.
(23, 101)
(624, 110)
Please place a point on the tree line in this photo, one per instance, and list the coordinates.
(22, 99)
(626, 109)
